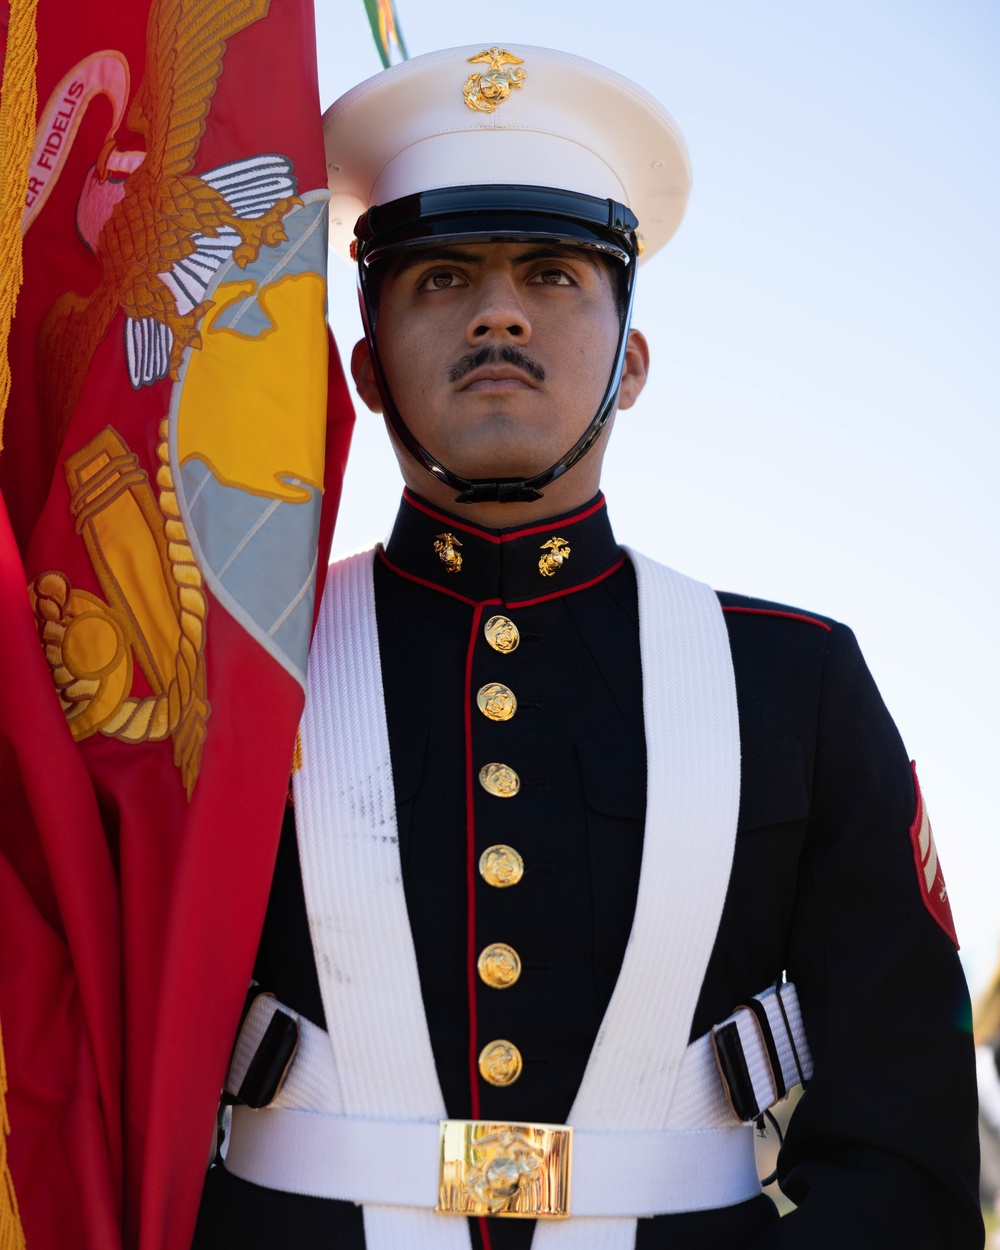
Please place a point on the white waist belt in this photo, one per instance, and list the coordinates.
(703, 1159)
(395, 1163)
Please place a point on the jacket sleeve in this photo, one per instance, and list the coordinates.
(882, 1149)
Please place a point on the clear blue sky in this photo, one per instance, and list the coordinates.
(821, 422)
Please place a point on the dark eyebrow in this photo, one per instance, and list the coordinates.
(556, 251)
(431, 256)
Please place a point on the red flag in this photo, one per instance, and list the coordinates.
(165, 466)
(60, 965)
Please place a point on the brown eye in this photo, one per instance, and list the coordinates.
(554, 277)
(439, 280)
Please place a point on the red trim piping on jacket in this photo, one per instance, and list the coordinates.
(558, 594)
(470, 869)
(511, 604)
(422, 581)
(789, 616)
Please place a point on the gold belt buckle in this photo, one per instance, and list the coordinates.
(520, 1170)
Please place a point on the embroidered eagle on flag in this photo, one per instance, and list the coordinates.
(161, 232)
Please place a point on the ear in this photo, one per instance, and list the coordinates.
(636, 369)
(364, 376)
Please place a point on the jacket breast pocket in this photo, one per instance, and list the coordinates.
(773, 787)
(774, 811)
(614, 787)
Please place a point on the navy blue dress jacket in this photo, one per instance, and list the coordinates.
(882, 1148)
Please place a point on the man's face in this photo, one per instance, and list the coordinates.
(497, 354)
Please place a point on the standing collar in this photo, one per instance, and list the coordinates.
(514, 566)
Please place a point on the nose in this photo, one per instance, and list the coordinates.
(499, 313)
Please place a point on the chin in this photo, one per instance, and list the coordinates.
(491, 468)
(498, 449)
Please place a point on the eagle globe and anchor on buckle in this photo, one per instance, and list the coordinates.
(505, 1169)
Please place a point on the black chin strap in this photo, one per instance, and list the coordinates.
(501, 490)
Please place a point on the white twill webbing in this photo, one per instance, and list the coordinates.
(790, 1042)
(382, 1060)
(349, 851)
(692, 805)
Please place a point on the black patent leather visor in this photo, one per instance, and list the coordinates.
(496, 213)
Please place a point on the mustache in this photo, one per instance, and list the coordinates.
(496, 355)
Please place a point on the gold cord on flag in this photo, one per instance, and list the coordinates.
(18, 105)
(11, 1232)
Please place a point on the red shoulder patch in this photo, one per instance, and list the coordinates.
(929, 874)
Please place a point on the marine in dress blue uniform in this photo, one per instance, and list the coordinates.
(518, 647)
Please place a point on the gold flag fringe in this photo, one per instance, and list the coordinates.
(297, 753)
(11, 1232)
(18, 107)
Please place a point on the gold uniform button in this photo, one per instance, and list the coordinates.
(500, 1062)
(496, 701)
(499, 965)
(502, 634)
(501, 866)
(499, 780)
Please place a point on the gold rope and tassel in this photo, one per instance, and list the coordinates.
(11, 1232)
(18, 106)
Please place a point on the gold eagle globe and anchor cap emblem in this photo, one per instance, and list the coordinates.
(557, 553)
(486, 91)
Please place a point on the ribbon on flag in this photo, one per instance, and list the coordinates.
(386, 32)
